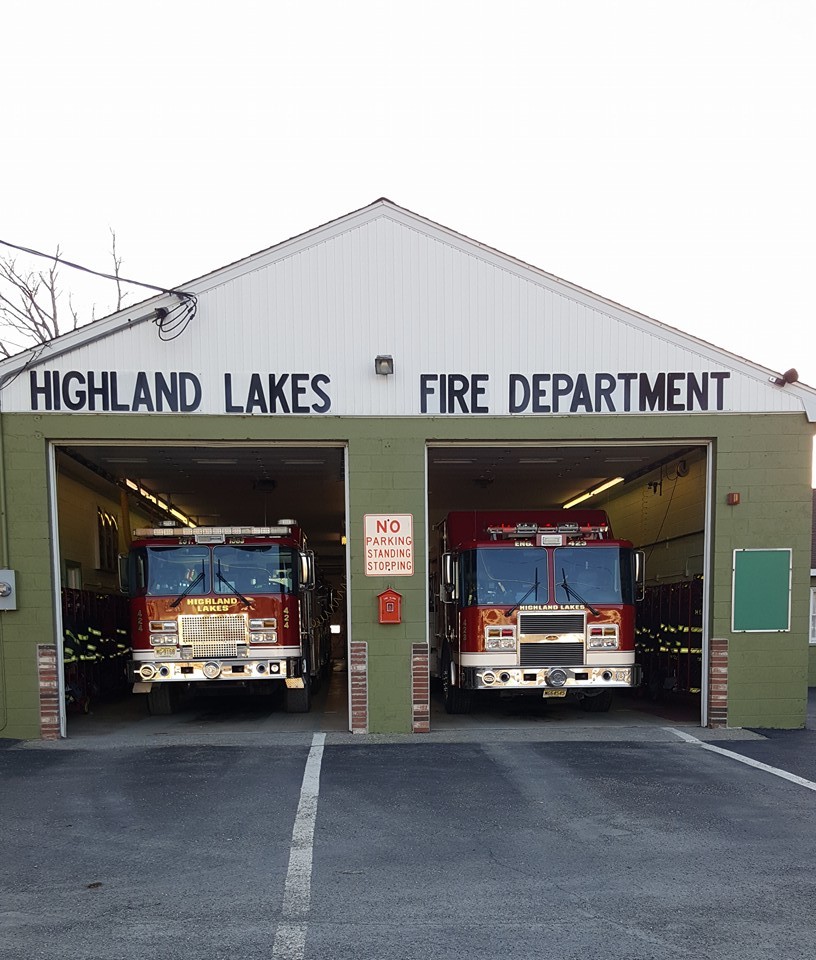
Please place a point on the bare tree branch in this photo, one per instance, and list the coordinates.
(31, 303)
(117, 264)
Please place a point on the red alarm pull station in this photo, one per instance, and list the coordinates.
(389, 603)
(732, 499)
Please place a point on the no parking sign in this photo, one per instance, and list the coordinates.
(389, 544)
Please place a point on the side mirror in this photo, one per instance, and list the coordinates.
(640, 574)
(307, 570)
(448, 578)
(124, 584)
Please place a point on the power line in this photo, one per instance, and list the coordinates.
(170, 321)
(96, 273)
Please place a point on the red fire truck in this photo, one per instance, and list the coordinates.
(224, 605)
(535, 602)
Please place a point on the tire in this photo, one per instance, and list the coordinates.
(161, 700)
(654, 686)
(298, 700)
(597, 702)
(456, 700)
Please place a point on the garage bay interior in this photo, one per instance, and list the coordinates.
(654, 494)
(655, 497)
(106, 491)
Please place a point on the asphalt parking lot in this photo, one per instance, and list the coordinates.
(627, 843)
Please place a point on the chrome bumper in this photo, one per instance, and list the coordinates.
(549, 678)
(191, 671)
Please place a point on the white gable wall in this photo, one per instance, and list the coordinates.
(385, 281)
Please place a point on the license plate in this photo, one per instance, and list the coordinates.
(553, 693)
(164, 651)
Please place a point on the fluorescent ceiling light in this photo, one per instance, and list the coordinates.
(624, 459)
(215, 461)
(591, 493)
(125, 459)
(540, 460)
(298, 463)
(460, 460)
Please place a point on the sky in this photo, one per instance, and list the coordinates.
(660, 155)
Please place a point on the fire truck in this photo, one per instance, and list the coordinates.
(535, 602)
(235, 607)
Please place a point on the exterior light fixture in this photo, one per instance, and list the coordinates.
(383, 365)
(592, 492)
(789, 376)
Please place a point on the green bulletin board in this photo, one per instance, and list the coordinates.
(761, 590)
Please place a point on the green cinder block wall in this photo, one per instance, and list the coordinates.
(765, 457)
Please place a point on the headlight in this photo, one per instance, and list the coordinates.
(163, 640)
(163, 626)
(268, 623)
(500, 643)
(603, 637)
(270, 636)
(500, 638)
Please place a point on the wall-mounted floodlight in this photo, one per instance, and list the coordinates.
(789, 376)
(383, 365)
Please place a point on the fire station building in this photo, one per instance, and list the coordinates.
(373, 375)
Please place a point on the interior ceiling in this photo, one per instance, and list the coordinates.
(224, 485)
(531, 477)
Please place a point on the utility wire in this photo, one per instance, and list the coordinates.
(96, 273)
(171, 322)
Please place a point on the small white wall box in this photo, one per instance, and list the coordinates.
(8, 590)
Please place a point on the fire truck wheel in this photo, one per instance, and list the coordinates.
(298, 701)
(456, 700)
(161, 700)
(597, 702)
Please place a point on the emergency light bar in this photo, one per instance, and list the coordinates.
(215, 532)
(554, 531)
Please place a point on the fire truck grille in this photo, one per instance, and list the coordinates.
(551, 654)
(213, 636)
(545, 624)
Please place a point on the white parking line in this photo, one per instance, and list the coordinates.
(290, 938)
(808, 784)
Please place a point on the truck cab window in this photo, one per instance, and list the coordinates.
(256, 568)
(597, 574)
(503, 576)
(170, 570)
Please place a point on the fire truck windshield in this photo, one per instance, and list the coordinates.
(175, 570)
(593, 573)
(172, 570)
(256, 568)
(503, 576)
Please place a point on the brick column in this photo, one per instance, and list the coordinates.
(420, 689)
(49, 691)
(718, 683)
(358, 678)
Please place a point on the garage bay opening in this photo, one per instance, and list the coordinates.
(564, 577)
(203, 580)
